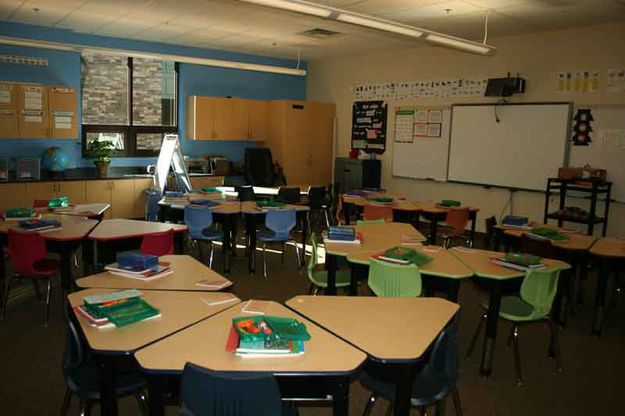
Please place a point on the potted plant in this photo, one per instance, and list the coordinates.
(100, 152)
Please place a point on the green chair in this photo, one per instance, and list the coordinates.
(319, 279)
(364, 222)
(533, 304)
(394, 280)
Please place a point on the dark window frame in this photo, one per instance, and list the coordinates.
(131, 131)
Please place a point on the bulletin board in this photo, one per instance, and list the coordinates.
(421, 142)
(369, 126)
(607, 148)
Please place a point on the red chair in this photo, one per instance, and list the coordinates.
(27, 251)
(41, 203)
(158, 244)
(456, 220)
(372, 213)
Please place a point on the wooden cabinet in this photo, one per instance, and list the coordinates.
(141, 198)
(123, 198)
(74, 190)
(40, 190)
(198, 182)
(99, 191)
(220, 118)
(201, 118)
(257, 119)
(13, 195)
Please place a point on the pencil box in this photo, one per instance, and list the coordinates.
(135, 260)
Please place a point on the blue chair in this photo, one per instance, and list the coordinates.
(205, 392)
(436, 380)
(280, 223)
(81, 374)
(151, 205)
(198, 220)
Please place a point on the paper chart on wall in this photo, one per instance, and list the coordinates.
(431, 89)
(404, 121)
(63, 120)
(579, 80)
(33, 98)
(616, 80)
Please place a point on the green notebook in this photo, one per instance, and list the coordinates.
(270, 204)
(280, 328)
(210, 189)
(60, 202)
(409, 255)
(450, 203)
(19, 213)
(522, 259)
(549, 233)
(123, 313)
(381, 199)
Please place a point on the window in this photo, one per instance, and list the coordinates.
(130, 101)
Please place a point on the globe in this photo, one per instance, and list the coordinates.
(55, 159)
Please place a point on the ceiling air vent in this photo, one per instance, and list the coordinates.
(319, 33)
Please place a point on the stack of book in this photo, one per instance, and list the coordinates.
(342, 235)
(545, 233)
(519, 261)
(116, 309)
(136, 265)
(515, 221)
(18, 214)
(39, 225)
(266, 336)
(403, 255)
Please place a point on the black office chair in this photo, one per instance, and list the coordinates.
(245, 193)
(259, 170)
(318, 203)
(205, 392)
(82, 377)
(490, 224)
(436, 380)
(289, 195)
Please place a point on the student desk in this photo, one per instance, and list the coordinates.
(377, 237)
(403, 211)
(495, 276)
(610, 253)
(63, 242)
(179, 310)
(253, 215)
(92, 211)
(118, 231)
(436, 213)
(186, 272)
(325, 367)
(444, 267)
(395, 333)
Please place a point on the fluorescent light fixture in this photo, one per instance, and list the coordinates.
(295, 6)
(458, 43)
(177, 58)
(379, 24)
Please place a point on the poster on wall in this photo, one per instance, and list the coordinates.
(616, 80)
(579, 80)
(404, 121)
(369, 126)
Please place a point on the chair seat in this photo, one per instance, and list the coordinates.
(47, 267)
(426, 389)
(320, 278)
(84, 381)
(513, 308)
(208, 235)
(271, 236)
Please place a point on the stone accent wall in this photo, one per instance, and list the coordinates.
(105, 92)
(147, 92)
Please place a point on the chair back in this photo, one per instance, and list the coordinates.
(490, 224)
(281, 222)
(443, 364)
(205, 392)
(258, 166)
(158, 244)
(457, 218)
(372, 212)
(151, 205)
(74, 353)
(245, 193)
(290, 195)
(314, 260)
(537, 246)
(365, 222)
(539, 288)
(41, 203)
(25, 249)
(197, 220)
(316, 197)
(394, 280)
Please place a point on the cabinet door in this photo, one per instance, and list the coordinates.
(258, 119)
(123, 198)
(13, 195)
(74, 190)
(99, 191)
(320, 143)
(198, 182)
(238, 127)
(200, 118)
(40, 190)
(140, 197)
(296, 143)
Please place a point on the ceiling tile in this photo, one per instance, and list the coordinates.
(8, 7)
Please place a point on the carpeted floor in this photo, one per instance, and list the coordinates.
(31, 382)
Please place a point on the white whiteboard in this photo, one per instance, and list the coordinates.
(425, 157)
(607, 149)
(522, 150)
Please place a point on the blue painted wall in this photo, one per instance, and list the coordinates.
(64, 68)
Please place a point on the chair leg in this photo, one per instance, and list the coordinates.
(457, 403)
(265, 260)
(7, 288)
(315, 291)
(476, 335)
(283, 251)
(327, 216)
(369, 406)
(311, 288)
(554, 344)
(67, 400)
(36, 289)
(85, 408)
(210, 256)
(517, 355)
(423, 411)
(440, 407)
(142, 401)
(299, 264)
(46, 314)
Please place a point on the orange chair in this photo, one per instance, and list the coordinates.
(372, 212)
(457, 220)
(158, 244)
(27, 251)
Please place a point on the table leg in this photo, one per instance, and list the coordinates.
(108, 401)
(403, 390)
(250, 230)
(347, 208)
(226, 246)
(67, 282)
(602, 282)
(433, 228)
(234, 227)
(340, 405)
(473, 215)
(331, 269)
(353, 280)
(304, 237)
(453, 290)
(497, 237)
(492, 318)
(155, 396)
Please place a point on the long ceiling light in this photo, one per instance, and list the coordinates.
(140, 54)
(319, 10)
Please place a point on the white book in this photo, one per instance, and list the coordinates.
(145, 278)
(327, 240)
